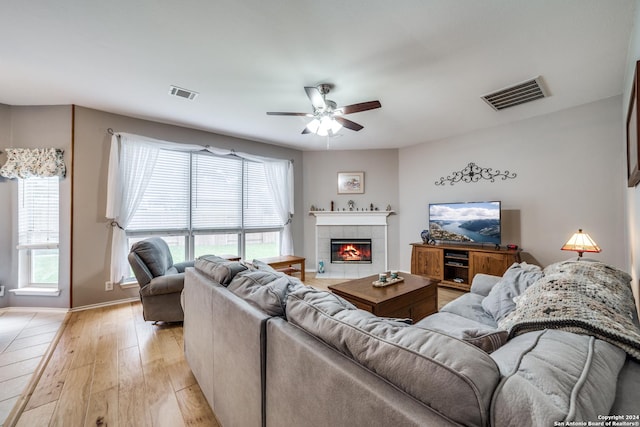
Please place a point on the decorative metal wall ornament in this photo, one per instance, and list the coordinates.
(474, 173)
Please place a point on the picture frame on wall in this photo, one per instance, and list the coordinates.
(633, 138)
(350, 182)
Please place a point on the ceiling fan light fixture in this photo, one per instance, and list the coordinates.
(329, 124)
(335, 126)
(327, 117)
(313, 125)
(324, 126)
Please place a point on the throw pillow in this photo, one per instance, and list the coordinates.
(486, 340)
(514, 282)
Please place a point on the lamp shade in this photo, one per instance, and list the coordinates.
(581, 242)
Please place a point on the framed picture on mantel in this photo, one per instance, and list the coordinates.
(350, 182)
(633, 141)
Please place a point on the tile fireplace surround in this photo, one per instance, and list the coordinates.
(351, 225)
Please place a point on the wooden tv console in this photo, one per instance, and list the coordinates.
(456, 265)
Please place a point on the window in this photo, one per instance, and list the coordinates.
(38, 236)
(201, 204)
(262, 245)
(218, 244)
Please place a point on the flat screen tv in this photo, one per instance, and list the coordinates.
(469, 222)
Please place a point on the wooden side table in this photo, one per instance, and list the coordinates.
(286, 264)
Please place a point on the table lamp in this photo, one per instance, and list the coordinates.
(581, 242)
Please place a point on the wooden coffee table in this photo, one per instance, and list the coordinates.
(416, 297)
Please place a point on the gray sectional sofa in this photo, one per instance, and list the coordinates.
(268, 351)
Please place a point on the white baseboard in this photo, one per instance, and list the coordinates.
(66, 310)
(36, 309)
(106, 304)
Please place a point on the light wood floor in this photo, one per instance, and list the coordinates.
(24, 340)
(111, 368)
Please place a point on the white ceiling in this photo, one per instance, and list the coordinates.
(427, 61)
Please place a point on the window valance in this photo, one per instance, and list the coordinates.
(33, 162)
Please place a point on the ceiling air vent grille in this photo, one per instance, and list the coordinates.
(182, 93)
(515, 95)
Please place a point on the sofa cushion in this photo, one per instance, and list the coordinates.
(555, 376)
(514, 282)
(268, 291)
(483, 336)
(628, 389)
(449, 323)
(483, 283)
(469, 305)
(428, 365)
(219, 269)
(488, 340)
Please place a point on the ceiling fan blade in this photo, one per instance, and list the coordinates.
(315, 97)
(272, 113)
(363, 106)
(348, 123)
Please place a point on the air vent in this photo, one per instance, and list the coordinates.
(182, 93)
(515, 95)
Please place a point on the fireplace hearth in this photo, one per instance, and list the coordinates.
(351, 251)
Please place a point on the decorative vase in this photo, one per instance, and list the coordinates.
(425, 236)
(321, 267)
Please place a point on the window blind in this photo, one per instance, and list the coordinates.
(217, 192)
(165, 204)
(38, 207)
(201, 192)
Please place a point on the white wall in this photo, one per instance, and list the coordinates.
(569, 168)
(632, 195)
(380, 169)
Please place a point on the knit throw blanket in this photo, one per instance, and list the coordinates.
(582, 297)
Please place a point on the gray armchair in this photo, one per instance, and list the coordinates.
(161, 281)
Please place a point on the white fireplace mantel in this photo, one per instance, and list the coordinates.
(351, 217)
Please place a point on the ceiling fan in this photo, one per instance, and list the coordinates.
(327, 117)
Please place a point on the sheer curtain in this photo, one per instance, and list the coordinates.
(279, 176)
(131, 162)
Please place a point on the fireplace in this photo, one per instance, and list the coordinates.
(352, 225)
(351, 251)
